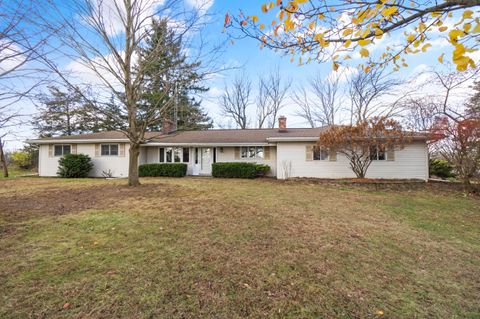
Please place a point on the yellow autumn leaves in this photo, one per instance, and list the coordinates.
(359, 28)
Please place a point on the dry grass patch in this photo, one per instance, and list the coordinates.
(197, 247)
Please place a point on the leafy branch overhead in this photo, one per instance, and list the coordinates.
(334, 31)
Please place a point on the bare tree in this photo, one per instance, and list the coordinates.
(272, 93)
(374, 93)
(456, 132)
(421, 113)
(321, 103)
(105, 39)
(236, 100)
(18, 46)
(8, 121)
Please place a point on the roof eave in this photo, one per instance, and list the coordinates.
(292, 139)
(216, 144)
(76, 141)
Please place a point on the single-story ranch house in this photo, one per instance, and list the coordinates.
(290, 152)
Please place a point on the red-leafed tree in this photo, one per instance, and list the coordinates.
(458, 141)
(371, 139)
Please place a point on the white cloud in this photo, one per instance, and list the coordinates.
(11, 57)
(202, 6)
(113, 13)
(102, 78)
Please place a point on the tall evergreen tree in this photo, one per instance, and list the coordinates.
(61, 113)
(169, 66)
(69, 112)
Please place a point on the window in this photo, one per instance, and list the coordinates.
(174, 155)
(259, 152)
(320, 153)
(61, 150)
(214, 154)
(377, 153)
(196, 155)
(168, 154)
(177, 153)
(109, 149)
(186, 155)
(162, 155)
(252, 152)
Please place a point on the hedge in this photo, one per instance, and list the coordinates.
(163, 169)
(239, 170)
(441, 168)
(74, 166)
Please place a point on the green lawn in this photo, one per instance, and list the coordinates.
(212, 248)
(14, 172)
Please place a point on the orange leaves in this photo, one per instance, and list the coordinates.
(227, 20)
(356, 141)
(440, 58)
(265, 7)
(364, 53)
(289, 25)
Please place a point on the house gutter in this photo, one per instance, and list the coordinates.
(91, 141)
(316, 138)
(207, 144)
(77, 141)
(293, 139)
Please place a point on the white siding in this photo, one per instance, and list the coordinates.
(48, 166)
(152, 156)
(224, 154)
(410, 162)
(228, 155)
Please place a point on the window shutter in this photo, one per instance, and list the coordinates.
(121, 149)
(74, 148)
(390, 154)
(266, 152)
(332, 155)
(50, 150)
(97, 150)
(309, 153)
(237, 152)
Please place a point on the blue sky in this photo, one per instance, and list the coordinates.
(253, 62)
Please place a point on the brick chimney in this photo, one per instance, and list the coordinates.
(167, 126)
(282, 124)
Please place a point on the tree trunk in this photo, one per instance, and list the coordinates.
(467, 185)
(133, 164)
(3, 160)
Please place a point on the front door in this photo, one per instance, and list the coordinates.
(206, 161)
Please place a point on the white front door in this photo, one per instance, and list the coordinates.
(206, 160)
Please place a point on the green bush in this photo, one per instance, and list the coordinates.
(74, 166)
(163, 169)
(21, 159)
(441, 168)
(262, 169)
(234, 170)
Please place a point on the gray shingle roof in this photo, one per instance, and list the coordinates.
(216, 136)
(208, 136)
